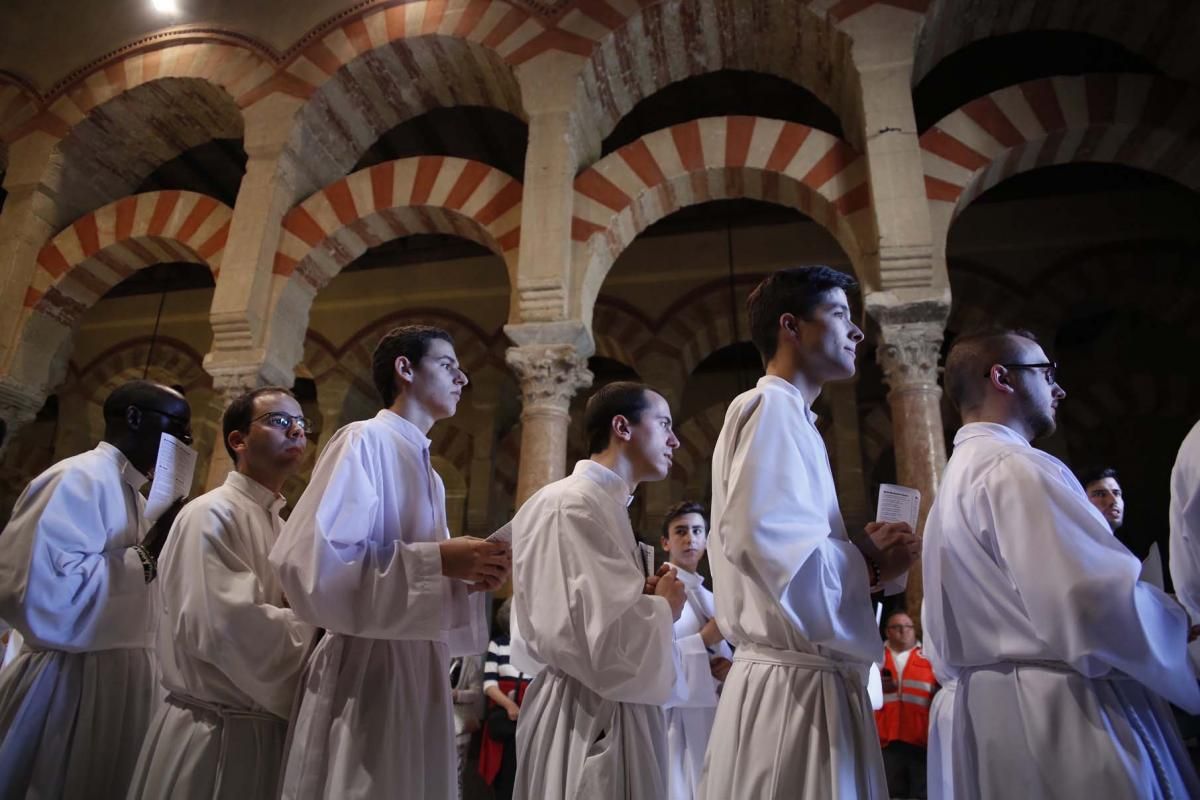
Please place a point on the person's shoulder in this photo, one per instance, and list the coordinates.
(91, 470)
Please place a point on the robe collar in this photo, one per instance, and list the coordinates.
(260, 494)
(403, 427)
(779, 383)
(129, 473)
(691, 580)
(612, 483)
(991, 430)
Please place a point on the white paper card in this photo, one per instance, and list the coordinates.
(173, 474)
(647, 553)
(898, 504)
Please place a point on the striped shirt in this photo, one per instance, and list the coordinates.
(497, 665)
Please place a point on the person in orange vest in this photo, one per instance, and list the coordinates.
(903, 722)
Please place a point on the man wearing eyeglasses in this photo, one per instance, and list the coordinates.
(1064, 659)
(229, 649)
(367, 557)
(77, 579)
(903, 722)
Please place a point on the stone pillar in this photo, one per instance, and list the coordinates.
(851, 484)
(24, 229)
(908, 353)
(550, 362)
(242, 299)
(19, 406)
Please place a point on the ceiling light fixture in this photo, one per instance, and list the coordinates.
(165, 6)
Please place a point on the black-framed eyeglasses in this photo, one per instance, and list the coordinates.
(1051, 368)
(183, 422)
(278, 419)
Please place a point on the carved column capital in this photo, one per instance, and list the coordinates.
(908, 353)
(19, 405)
(550, 374)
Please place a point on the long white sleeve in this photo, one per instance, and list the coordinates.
(580, 606)
(69, 579)
(1185, 523)
(1079, 586)
(221, 614)
(785, 573)
(344, 558)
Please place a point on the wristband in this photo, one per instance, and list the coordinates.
(149, 562)
(876, 572)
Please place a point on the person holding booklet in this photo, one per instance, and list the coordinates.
(588, 611)
(78, 563)
(367, 557)
(792, 588)
(229, 649)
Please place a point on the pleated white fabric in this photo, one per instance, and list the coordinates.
(76, 702)
(1064, 659)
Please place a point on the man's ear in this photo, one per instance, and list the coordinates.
(999, 380)
(403, 368)
(621, 428)
(788, 324)
(133, 418)
(237, 441)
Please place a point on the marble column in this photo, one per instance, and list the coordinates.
(549, 375)
(19, 406)
(847, 445)
(908, 353)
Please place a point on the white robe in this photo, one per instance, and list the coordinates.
(1063, 658)
(1185, 529)
(592, 724)
(690, 719)
(360, 558)
(75, 704)
(793, 598)
(229, 651)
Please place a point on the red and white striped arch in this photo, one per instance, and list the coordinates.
(712, 159)
(99, 250)
(1136, 120)
(426, 194)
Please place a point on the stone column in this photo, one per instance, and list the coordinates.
(19, 406)
(24, 229)
(851, 485)
(242, 298)
(550, 362)
(908, 352)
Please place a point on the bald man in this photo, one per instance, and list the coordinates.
(1064, 658)
(77, 565)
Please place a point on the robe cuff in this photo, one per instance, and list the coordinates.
(692, 645)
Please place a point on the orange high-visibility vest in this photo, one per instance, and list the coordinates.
(905, 713)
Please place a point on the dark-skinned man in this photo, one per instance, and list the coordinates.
(77, 568)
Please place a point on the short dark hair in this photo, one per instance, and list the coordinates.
(410, 341)
(240, 414)
(1097, 474)
(678, 510)
(620, 398)
(972, 355)
(796, 290)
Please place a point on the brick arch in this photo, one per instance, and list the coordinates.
(951, 25)
(697, 439)
(426, 194)
(983, 299)
(1140, 121)
(622, 333)
(712, 159)
(19, 104)
(640, 48)
(389, 65)
(474, 347)
(112, 148)
(1091, 280)
(174, 361)
(100, 249)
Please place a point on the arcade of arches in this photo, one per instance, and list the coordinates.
(586, 190)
